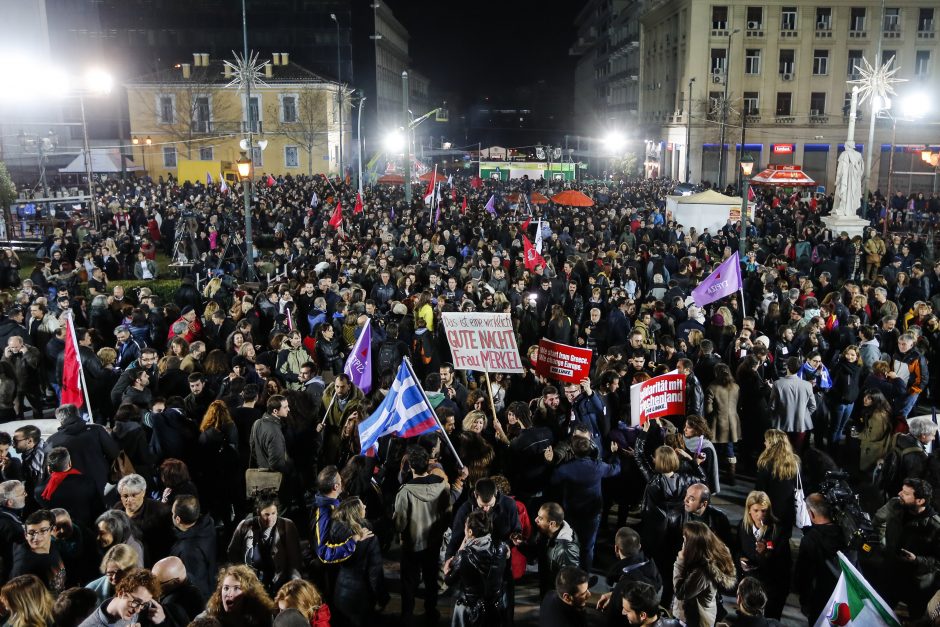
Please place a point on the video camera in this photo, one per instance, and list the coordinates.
(856, 524)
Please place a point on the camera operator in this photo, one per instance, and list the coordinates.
(817, 566)
(910, 536)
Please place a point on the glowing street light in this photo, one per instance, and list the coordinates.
(395, 142)
(615, 142)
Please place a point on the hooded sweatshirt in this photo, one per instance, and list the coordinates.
(421, 508)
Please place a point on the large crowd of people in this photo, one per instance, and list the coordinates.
(145, 507)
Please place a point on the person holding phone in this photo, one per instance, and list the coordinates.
(134, 603)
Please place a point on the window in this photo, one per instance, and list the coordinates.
(205, 154)
(820, 62)
(166, 110)
(784, 101)
(752, 61)
(755, 17)
(719, 60)
(719, 18)
(289, 109)
(257, 156)
(823, 18)
(887, 55)
(892, 20)
(857, 19)
(925, 20)
(751, 103)
(855, 60)
(714, 105)
(291, 157)
(922, 64)
(169, 156)
(788, 18)
(786, 61)
(254, 107)
(201, 115)
(817, 103)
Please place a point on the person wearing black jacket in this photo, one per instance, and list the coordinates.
(12, 503)
(639, 607)
(846, 376)
(631, 566)
(181, 600)
(70, 490)
(478, 570)
(817, 565)
(92, 448)
(500, 508)
(195, 543)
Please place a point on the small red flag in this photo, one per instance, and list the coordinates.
(71, 368)
(463, 207)
(525, 225)
(337, 217)
(270, 181)
(358, 207)
(453, 194)
(532, 258)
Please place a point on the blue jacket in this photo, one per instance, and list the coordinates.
(580, 480)
(591, 411)
(328, 552)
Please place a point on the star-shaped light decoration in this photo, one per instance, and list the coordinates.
(716, 106)
(877, 82)
(246, 70)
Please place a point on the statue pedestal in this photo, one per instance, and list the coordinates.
(852, 225)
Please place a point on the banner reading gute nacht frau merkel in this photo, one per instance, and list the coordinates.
(657, 398)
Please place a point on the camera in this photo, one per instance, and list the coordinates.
(856, 524)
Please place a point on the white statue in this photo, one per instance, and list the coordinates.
(848, 192)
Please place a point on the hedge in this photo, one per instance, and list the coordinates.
(164, 288)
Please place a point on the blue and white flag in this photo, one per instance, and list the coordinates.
(404, 412)
(314, 200)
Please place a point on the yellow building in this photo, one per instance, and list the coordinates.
(193, 112)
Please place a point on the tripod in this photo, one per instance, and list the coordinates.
(185, 235)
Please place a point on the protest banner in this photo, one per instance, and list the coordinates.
(562, 362)
(657, 398)
(482, 341)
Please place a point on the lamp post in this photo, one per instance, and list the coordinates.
(244, 172)
(747, 167)
(339, 88)
(359, 142)
(875, 107)
(97, 82)
(688, 136)
(405, 125)
(724, 115)
(143, 151)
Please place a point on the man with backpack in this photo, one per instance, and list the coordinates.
(907, 454)
(390, 352)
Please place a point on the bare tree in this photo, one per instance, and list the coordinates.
(308, 125)
(202, 110)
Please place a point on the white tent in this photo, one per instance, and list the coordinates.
(103, 160)
(706, 210)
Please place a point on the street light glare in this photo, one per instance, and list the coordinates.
(914, 106)
(98, 81)
(394, 142)
(615, 141)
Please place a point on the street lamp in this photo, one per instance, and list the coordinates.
(911, 107)
(688, 136)
(614, 141)
(339, 87)
(394, 142)
(747, 167)
(359, 141)
(97, 82)
(143, 152)
(244, 172)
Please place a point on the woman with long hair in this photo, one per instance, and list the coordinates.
(754, 404)
(304, 597)
(27, 602)
(360, 582)
(268, 543)
(777, 470)
(702, 569)
(218, 462)
(846, 376)
(559, 327)
(765, 551)
(721, 410)
(175, 480)
(476, 453)
(239, 599)
(875, 434)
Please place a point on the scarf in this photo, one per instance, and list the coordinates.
(55, 479)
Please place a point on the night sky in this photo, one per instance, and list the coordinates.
(476, 47)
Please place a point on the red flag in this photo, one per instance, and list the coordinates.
(431, 183)
(358, 207)
(476, 182)
(270, 181)
(337, 217)
(525, 225)
(463, 207)
(71, 368)
(750, 194)
(453, 194)
(532, 258)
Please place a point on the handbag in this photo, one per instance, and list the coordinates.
(258, 480)
(120, 468)
(799, 499)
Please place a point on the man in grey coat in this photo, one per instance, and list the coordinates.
(267, 443)
(793, 404)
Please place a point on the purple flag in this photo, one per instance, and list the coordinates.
(725, 280)
(359, 363)
(491, 205)
(208, 179)
(437, 215)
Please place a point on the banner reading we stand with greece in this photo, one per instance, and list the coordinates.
(482, 341)
(657, 398)
(562, 362)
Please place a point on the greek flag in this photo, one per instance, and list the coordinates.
(404, 412)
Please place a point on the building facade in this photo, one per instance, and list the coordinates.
(193, 113)
(784, 66)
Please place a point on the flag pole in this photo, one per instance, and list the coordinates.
(424, 395)
(489, 392)
(81, 371)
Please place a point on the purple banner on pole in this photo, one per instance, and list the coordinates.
(725, 280)
(359, 363)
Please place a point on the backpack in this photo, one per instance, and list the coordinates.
(389, 357)
(888, 471)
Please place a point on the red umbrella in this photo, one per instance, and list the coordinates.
(538, 199)
(391, 179)
(572, 198)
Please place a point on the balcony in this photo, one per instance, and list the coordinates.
(784, 119)
(823, 30)
(201, 126)
(858, 34)
(925, 30)
(817, 118)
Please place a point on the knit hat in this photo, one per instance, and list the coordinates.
(187, 309)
